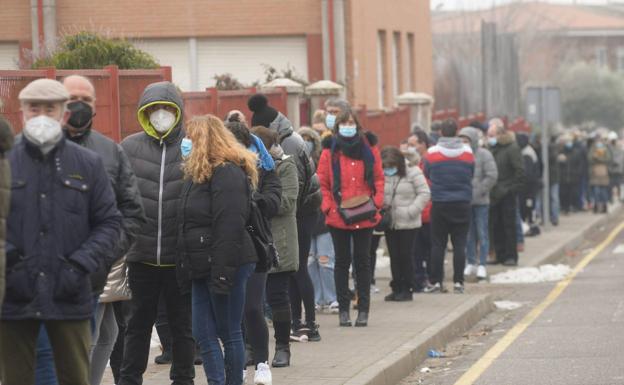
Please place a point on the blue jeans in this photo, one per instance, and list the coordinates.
(322, 273)
(519, 231)
(478, 235)
(219, 317)
(554, 204)
(600, 193)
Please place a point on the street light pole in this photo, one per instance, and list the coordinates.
(545, 162)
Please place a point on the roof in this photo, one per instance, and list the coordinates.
(533, 16)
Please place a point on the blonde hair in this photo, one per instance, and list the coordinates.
(213, 145)
(319, 117)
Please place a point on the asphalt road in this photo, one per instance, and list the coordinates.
(578, 338)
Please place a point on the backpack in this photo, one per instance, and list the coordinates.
(259, 228)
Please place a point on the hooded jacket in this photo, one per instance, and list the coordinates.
(6, 142)
(599, 160)
(486, 173)
(126, 192)
(293, 144)
(510, 168)
(449, 165)
(156, 161)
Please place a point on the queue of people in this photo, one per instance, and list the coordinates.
(209, 227)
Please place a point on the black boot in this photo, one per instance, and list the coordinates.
(344, 318)
(282, 356)
(163, 359)
(313, 333)
(198, 358)
(362, 319)
(404, 296)
(391, 297)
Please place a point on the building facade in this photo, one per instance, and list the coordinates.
(377, 50)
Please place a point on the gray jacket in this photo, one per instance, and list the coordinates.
(411, 196)
(486, 173)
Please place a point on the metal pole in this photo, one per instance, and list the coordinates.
(545, 163)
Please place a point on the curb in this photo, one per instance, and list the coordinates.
(400, 363)
(575, 242)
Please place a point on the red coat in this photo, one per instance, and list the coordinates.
(426, 214)
(352, 184)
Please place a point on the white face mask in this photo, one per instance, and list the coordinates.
(162, 120)
(42, 130)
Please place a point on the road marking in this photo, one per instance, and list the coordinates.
(495, 351)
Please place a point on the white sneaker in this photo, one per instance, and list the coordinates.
(470, 270)
(481, 272)
(263, 374)
(374, 289)
(244, 375)
(334, 307)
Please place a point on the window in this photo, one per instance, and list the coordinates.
(381, 67)
(396, 64)
(410, 80)
(620, 59)
(601, 57)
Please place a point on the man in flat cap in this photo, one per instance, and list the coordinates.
(63, 224)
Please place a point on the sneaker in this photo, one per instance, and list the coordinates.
(470, 270)
(299, 333)
(313, 333)
(244, 375)
(481, 272)
(333, 307)
(374, 289)
(263, 375)
(458, 288)
(435, 288)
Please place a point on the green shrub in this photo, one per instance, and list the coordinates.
(87, 50)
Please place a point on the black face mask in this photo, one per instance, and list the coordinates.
(81, 115)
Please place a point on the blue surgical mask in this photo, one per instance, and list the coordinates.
(330, 121)
(390, 171)
(347, 131)
(185, 147)
(569, 145)
(492, 141)
(600, 145)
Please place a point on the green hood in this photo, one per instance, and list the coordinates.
(160, 93)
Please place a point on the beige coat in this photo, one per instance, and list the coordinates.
(411, 197)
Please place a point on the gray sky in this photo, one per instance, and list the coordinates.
(474, 4)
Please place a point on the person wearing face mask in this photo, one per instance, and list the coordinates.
(570, 161)
(406, 194)
(301, 288)
(599, 160)
(63, 226)
(352, 179)
(78, 129)
(333, 107)
(503, 196)
(216, 252)
(155, 155)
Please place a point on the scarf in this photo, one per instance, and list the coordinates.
(355, 148)
(265, 160)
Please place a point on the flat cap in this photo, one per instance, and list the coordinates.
(44, 90)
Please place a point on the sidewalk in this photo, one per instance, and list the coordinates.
(400, 334)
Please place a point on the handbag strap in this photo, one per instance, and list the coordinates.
(394, 189)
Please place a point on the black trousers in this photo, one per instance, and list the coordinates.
(279, 301)
(147, 283)
(568, 196)
(401, 248)
(449, 219)
(422, 256)
(122, 315)
(301, 288)
(256, 329)
(162, 325)
(503, 225)
(361, 262)
(373, 255)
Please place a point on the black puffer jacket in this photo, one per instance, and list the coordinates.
(157, 162)
(126, 191)
(214, 241)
